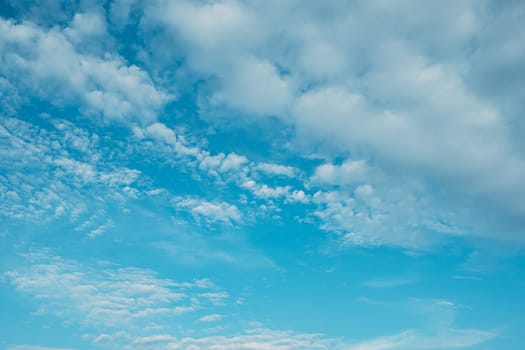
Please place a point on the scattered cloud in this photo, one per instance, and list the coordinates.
(175, 125)
(451, 339)
(277, 169)
(259, 338)
(211, 318)
(211, 211)
(69, 161)
(100, 229)
(108, 298)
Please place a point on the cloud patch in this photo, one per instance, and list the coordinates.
(48, 63)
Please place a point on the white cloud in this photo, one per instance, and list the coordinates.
(46, 62)
(277, 169)
(369, 221)
(232, 167)
(162, 133)
(232, 162)
(401, 96)
(85, 27)
(211, 318)
(153, 339)
(439, 317)
(350, 171)
(100, 229)
(109, 298)
(255, 86)
(210, 211)
(259, 338)
(450, 339)
(117, 302)
(210, 27)
(67, 160)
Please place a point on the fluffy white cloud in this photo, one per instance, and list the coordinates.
(255, 86)
(86, 27)
(47, 63)
(210, 211)
(350, 171)
(277, 169)
(400, 95)
(162, 133)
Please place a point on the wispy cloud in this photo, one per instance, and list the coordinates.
(109, 298)
(211, 318)
(449, 339)
(259, 338)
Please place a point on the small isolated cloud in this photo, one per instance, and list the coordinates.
(209, 211)
(211, 318)
(100, 229)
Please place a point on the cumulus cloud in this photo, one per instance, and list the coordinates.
(255, 86)
(404, 96)
(404, 102)
(210, 211)
(277, 169)
(350, 171)
(48, 64)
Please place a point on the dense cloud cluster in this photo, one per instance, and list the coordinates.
(429, 96)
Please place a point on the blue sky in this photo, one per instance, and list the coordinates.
(285, 175)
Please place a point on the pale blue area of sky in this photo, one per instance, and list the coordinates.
(262, 175)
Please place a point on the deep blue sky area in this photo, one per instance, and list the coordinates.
(273, 175)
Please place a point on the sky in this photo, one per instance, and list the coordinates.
(273, 175)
